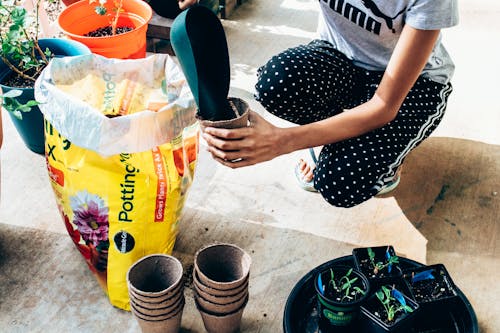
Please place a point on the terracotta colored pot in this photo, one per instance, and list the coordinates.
(155, 275)
(80, 18)
(222, 266)
(224, 296)
(228, 323)
(221, 309)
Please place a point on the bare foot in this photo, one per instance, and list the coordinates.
(306, 171)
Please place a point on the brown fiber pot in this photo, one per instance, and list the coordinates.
(157, 314)
(218, 292)
(221, 309)
(171, 324)
(158, 302)
(157, 309)
(154, 275)
(228, 323)
(221, 299)
(240, 108)
(222, 266)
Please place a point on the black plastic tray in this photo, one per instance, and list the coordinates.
(301, 314)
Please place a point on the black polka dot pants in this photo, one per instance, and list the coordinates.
(312, 82)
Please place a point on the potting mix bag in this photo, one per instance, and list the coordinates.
(121, 149)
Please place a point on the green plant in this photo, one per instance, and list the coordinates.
(20, 50)
(380, 265)
(393, 302)
(346, 283)
(11, 104)
(101, 10)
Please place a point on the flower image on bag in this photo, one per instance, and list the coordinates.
(90, 217)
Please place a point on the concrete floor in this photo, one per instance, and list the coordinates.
(444, 211)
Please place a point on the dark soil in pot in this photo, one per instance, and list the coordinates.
(377, 265)
(106, 31)
(430, 284)
(14, 80)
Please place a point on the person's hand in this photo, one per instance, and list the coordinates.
(183, 4)
(245, 146)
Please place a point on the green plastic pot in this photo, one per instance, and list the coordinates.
(333, 313)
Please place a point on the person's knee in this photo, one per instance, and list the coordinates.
(271, 81)
(337, 192)
(347, 200)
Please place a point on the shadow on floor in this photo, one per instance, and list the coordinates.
(450, 192)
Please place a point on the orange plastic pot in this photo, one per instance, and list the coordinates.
(80, 18)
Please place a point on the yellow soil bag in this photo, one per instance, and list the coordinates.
(121, 149)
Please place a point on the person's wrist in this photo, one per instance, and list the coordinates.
(285, 140)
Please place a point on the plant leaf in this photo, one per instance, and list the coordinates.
(359, 290)
(13, 93)
(32, 103)
(18, 115)
(407, 308)
(371, 254)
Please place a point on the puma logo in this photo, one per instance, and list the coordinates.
(371, 5)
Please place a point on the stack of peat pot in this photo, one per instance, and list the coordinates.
(220, 278)
(156, 293)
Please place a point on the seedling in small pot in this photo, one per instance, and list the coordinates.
(377, 262)
(343, 289)
(394, 304)
(389, 310)
(340, 291)
(379, 266)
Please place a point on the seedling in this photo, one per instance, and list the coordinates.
(393, 302)
(343, 288)
(380, 265)
(101, 10)
(10, 103)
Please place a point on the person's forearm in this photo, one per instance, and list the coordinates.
(351, 123)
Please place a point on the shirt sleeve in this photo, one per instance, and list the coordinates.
(432, 14)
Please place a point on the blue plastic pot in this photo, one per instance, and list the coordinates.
(31, 127)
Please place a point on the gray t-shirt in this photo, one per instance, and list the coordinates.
(367, 31)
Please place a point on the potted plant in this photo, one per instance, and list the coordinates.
(23, 56)
(432, 288)
(379, 264)
(340, 291)
(388, 310)
(111, 28)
